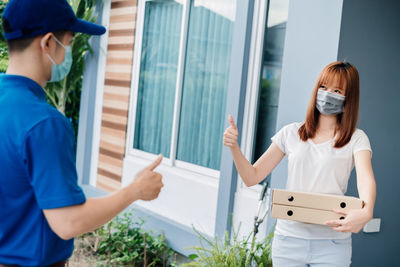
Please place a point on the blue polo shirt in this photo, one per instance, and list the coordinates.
(37, 171)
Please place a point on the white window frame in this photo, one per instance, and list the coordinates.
(253, 87)
(171, 161)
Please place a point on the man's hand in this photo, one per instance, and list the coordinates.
(148, 183)
(71, 221)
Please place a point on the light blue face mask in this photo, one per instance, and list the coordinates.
(59, 72)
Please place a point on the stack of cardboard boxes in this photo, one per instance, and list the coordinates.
(310, 207)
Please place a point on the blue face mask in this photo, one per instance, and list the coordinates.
(59, 72)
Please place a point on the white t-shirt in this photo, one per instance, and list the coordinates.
(318, 168)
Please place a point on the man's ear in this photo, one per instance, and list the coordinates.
(46, 44)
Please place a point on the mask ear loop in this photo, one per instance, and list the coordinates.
(57, 41)
(63, 46)
(51, 59)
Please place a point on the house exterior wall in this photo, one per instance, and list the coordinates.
(370, 39)
(105, 97)
(92, 85)
(190, 194)
(318, 32)
(304, 56)
(116, 93)
(235, 106)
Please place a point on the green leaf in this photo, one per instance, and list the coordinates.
(193, 256)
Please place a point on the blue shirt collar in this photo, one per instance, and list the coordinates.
(24, 82)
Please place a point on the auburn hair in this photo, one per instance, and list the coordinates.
(347, 77)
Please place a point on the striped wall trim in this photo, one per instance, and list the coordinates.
(126, 32)
(116, 97)
(109, 174)
(113, 125)
(123, 18)
(112, 154)
(118, 76)
(121, 4)
(114, 132)
(110, 160)
(123, 61)
(118, 83)
(107, 184)
(119, 47)
(115, 111)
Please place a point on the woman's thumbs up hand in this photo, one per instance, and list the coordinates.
(231, 134)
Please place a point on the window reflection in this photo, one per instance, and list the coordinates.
(158, 74)
(205, 82)
(274, 40)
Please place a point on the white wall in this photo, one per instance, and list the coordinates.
(370, 39)
(187, 198)
(312, 40)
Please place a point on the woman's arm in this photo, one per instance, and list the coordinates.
(366, 184)
(355, 220)
(251, 174)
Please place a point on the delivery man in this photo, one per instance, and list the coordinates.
(42, 208)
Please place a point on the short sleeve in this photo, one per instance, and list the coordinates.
(280, 139)
(49, 156)
(361, 142)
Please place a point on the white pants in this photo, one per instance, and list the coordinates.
(296, 252)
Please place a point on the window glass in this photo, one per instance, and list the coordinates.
(205, 82)
(271, 68)
(158, 74)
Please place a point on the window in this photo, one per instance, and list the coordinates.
(182, 85)
(158, 77)
(271, 67)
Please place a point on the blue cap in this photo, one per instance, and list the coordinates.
(30, 18)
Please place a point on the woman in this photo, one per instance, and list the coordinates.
(322, 151)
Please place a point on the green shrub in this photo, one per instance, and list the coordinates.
(3, 45)
(3, 57)
(123, 242)
(232, 253)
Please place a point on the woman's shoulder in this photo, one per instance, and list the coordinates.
(358, 133)
(359, 137)
(290, 129)
(360, 141)
(293, 127)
